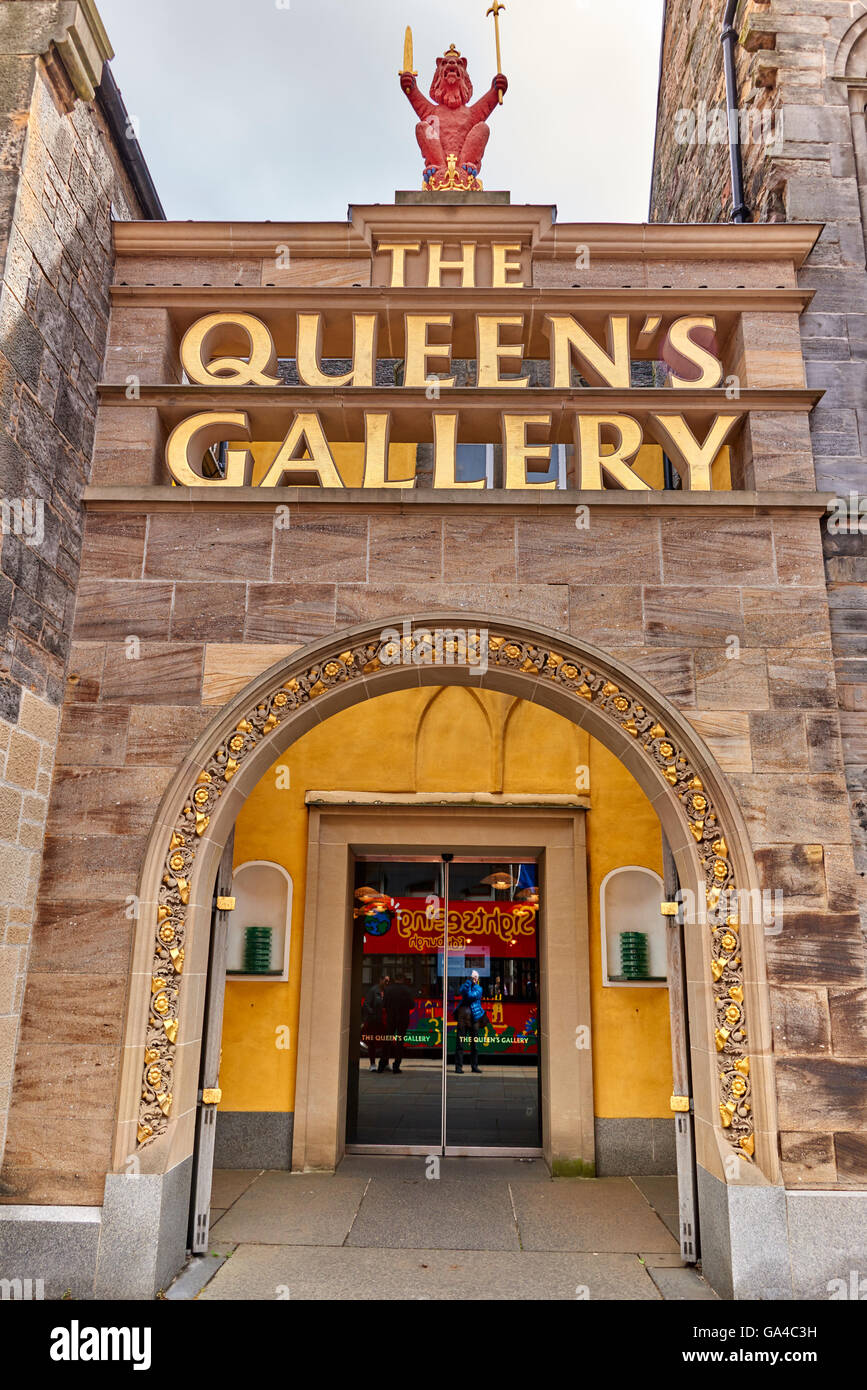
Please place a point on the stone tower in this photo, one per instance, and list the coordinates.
(802, 79)
(68, 168)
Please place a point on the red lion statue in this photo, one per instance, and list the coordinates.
(452, 135)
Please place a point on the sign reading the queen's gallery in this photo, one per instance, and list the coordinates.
(606, 439)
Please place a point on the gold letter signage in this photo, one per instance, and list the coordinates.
(235, 353)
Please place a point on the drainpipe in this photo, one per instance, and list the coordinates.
(740, 211)
(112, 106)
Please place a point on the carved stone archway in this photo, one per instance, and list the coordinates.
(844, 63)
(700, 817)
(850, 70)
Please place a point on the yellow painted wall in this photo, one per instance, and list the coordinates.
(631, 1034)
(449, 740)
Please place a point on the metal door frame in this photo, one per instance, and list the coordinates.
(444, 1150)
(209, 1074)
(684, 1121)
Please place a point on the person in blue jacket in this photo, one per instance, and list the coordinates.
(468, 1018)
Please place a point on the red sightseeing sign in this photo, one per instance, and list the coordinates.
(415, 927)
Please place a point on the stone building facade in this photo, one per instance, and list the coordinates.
(65, 176)
(232, 603)
(802, 72)
(806, 62)
(640, 607)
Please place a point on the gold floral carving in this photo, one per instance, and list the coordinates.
(618, 705)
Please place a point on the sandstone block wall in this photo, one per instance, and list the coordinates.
(804, 59)
(212, 614)
(60, 184)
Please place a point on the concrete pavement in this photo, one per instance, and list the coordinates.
(485, 1228)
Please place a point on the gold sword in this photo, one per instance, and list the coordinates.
(407, 53)
(495, 11)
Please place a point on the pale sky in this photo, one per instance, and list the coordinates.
(291, 109)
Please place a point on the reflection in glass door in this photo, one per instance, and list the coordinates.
(445, 1030)
(394, 1095)
(492, 1078)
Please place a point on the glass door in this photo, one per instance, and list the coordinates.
(394, 1095)
(492, 1085)
(445, 1033)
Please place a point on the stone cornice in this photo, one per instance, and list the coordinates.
(775, 241)
(420, 801)
(685, 299)
(162, 497)
(411, 410)
(601, 399)
(525, 222)
(83, 46)
(676, 241)
(250, 240)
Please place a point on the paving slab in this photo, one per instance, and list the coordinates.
(257, 1272)
(593, 1214)
(229, 1183)
(661, 1193)
(197, 1272)
(293, 1209)
(417, 1213)
(381, 1229)
(671, 1222)
(682, 1285)
(451, 1170)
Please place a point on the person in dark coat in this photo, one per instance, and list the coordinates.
(398, 1000)
(371, 1018)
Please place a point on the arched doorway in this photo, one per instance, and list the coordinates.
(702, 823)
